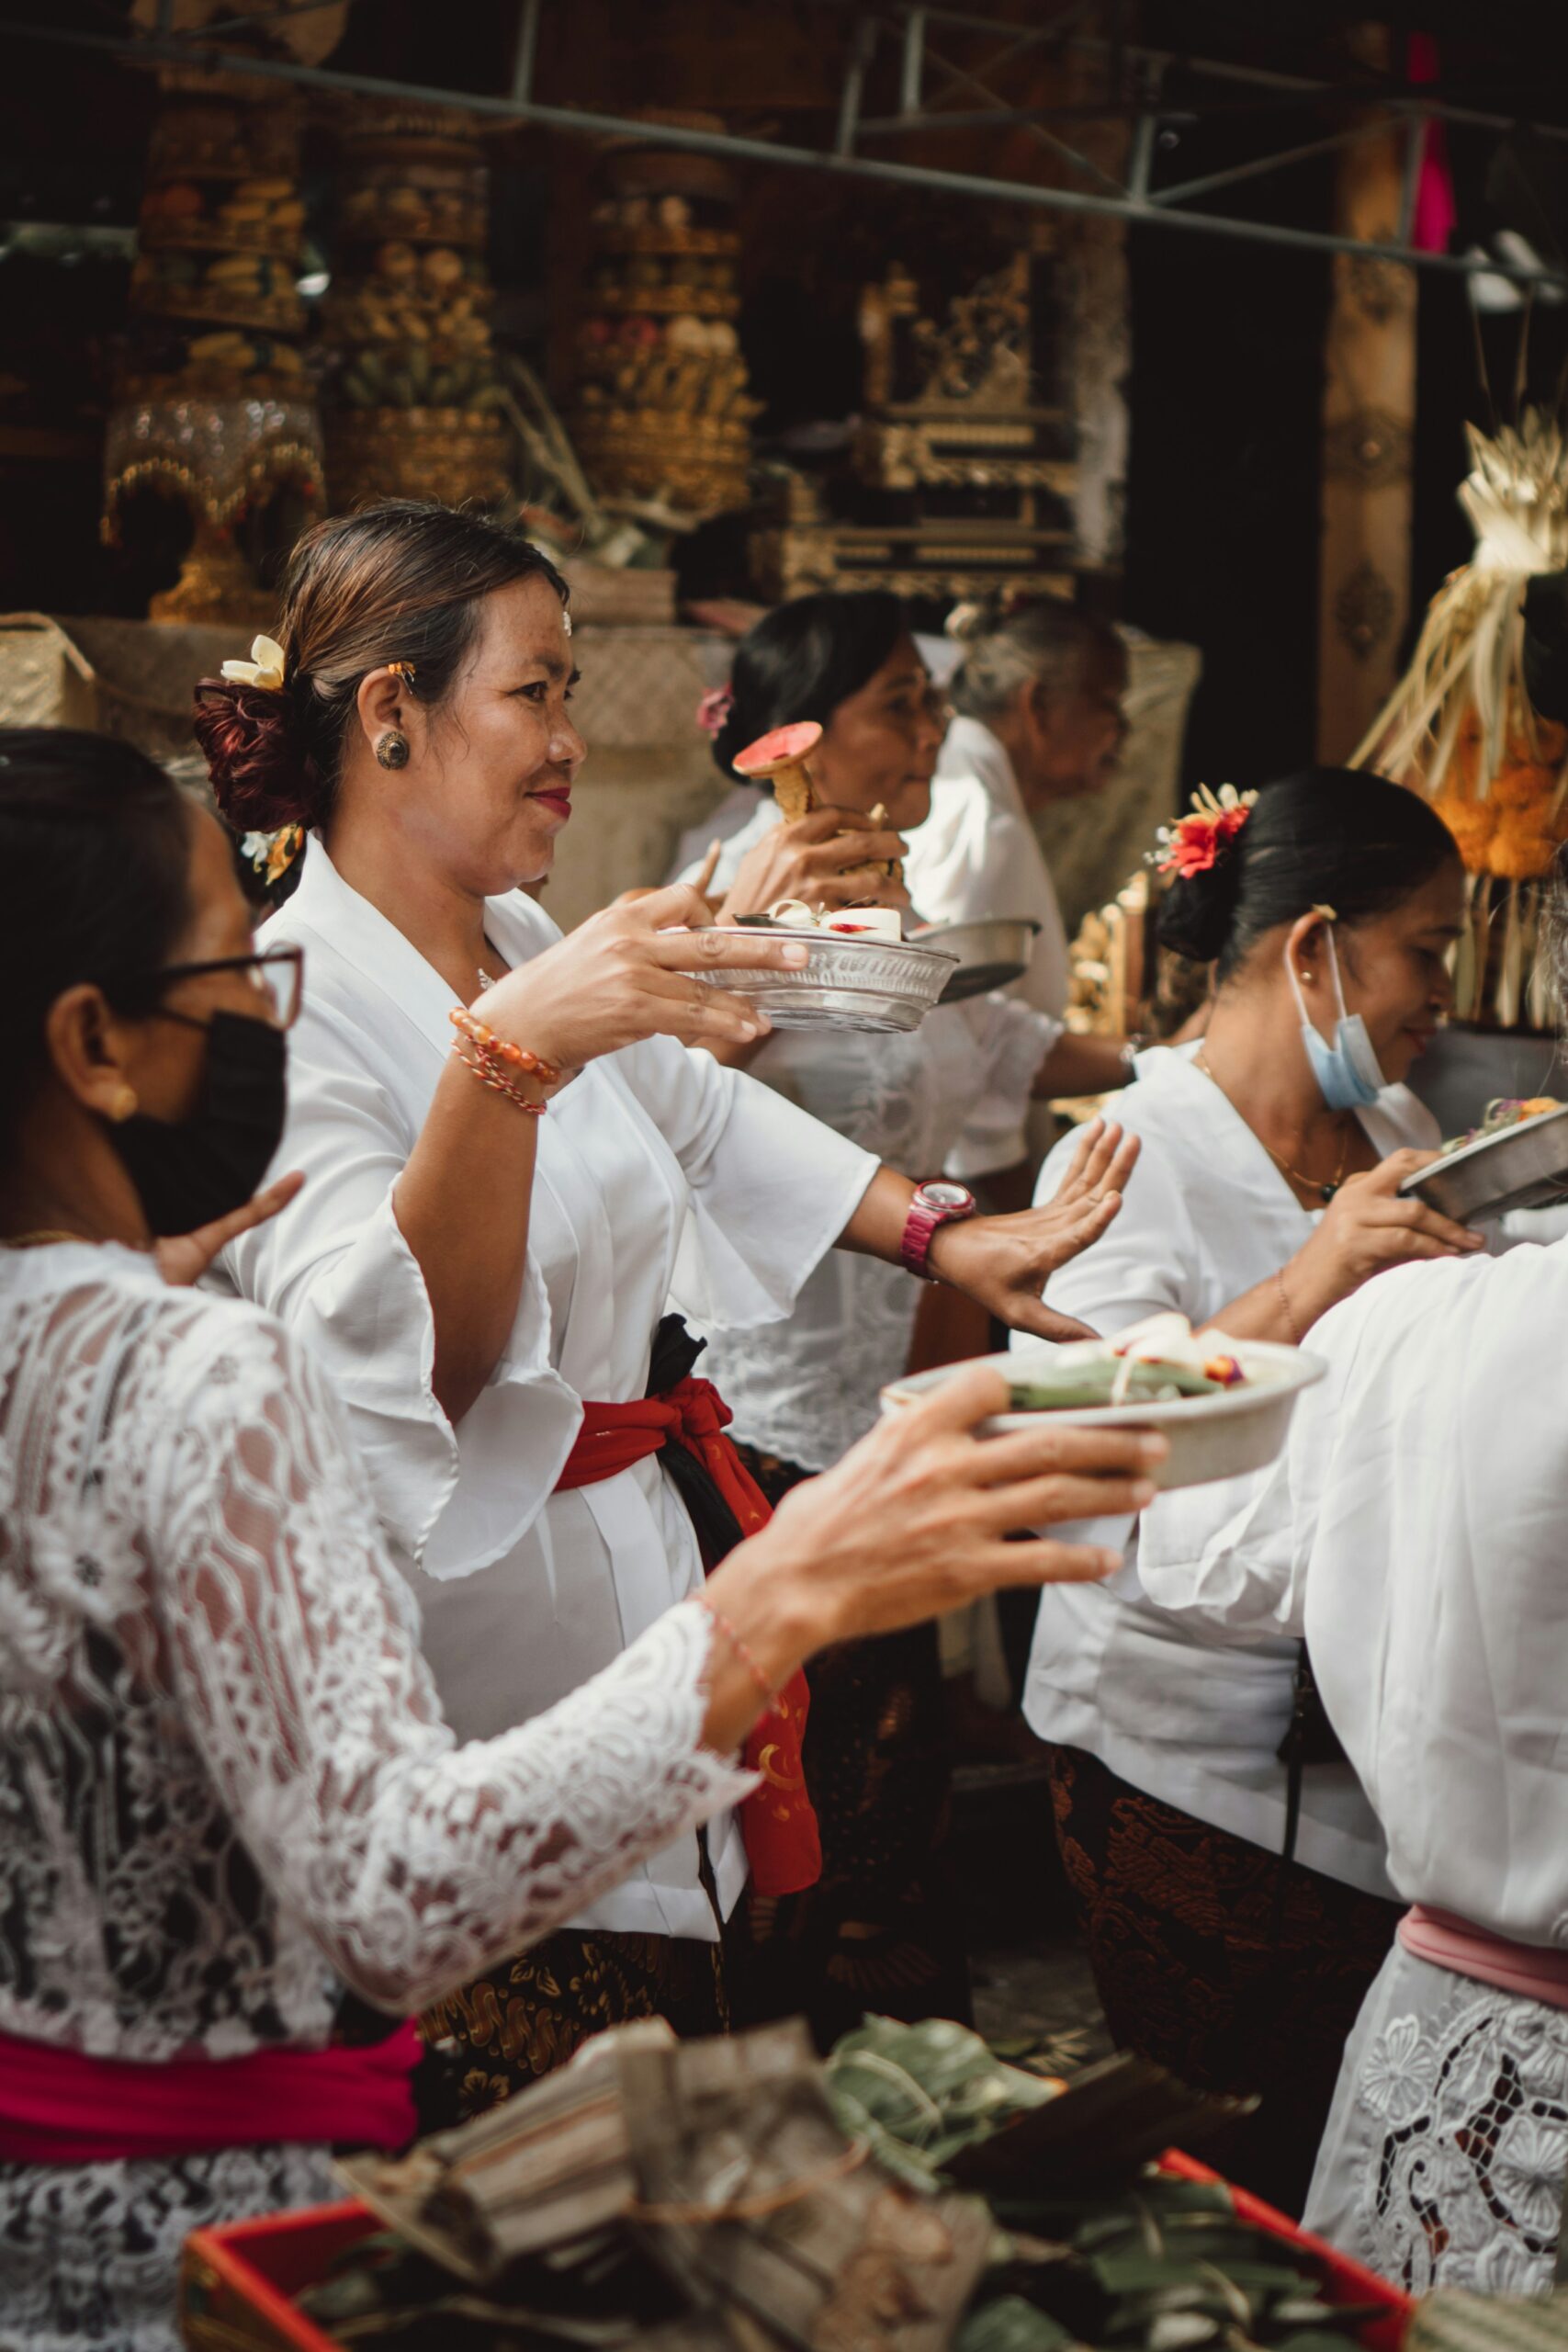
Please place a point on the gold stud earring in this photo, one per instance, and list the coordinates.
(122, 1107)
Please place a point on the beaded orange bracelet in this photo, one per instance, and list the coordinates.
(500, 1064)
(493, 1049)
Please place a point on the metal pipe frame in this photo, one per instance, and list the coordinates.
(585, 122)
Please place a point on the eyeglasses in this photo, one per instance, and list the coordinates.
(276, 973)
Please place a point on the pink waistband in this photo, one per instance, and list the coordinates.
(62, 2106)
(1537, 1971)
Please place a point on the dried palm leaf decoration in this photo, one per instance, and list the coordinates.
(1460, 727)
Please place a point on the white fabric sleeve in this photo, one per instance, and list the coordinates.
(1145, 1263)
(1015, 1038)
(336, 1269)
(772, 1188)
(415, 1862)
(1248, 1571)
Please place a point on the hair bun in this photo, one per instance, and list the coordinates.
(1196, 911)
(260, 779)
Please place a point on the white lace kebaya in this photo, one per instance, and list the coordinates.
(226, 1787)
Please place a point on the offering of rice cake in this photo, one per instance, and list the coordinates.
(1222, 1404)
(1507, 1112)
(844, 922)
(1154, 1362)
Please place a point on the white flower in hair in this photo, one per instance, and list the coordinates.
(264, 669)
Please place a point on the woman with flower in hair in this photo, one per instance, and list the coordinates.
(1227, 1868)
(879, 1931)
(513, 1163)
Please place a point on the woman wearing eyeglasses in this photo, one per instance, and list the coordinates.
(240, 1840)
(875, 1933)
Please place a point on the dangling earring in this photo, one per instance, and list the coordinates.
(122, 1107)
(392, 749)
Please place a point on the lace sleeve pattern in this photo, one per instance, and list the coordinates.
(415, 1862)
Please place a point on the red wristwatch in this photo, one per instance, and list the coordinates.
(934, 1205)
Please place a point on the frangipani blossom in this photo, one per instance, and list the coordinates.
(264, 669)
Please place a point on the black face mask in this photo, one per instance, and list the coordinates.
(188, 1172)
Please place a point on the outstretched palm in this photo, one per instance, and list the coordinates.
(183, 1258)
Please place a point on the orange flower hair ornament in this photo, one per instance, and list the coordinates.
(1196, 842)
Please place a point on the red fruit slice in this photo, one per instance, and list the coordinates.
(784, 743)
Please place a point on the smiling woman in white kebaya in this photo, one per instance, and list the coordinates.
(1267, 1188)
(513, 1163)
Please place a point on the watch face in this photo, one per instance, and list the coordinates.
(946, 1196)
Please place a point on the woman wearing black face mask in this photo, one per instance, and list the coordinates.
(177, 1062)
(227, 1789)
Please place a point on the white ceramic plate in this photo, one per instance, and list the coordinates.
(1222, 1436)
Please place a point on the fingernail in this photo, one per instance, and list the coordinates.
(795, 952)
(1108, 1562)
(1144, 1491)
(1154, 1448)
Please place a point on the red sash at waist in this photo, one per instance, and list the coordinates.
(63, 2107)
(1539, 1973)
(777, 1821)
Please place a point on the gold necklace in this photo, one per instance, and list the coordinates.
(1308, 1183)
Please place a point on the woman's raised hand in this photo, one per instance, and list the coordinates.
(1367, 1227)
(626, 974)
(829, 858)
(183, 1258)
(1006, 1261)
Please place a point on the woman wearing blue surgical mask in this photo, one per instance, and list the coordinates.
(1234, 1896)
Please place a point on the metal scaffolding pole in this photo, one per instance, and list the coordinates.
(780, 155)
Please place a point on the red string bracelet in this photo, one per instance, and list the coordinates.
(770, 1695)
(500, 1064)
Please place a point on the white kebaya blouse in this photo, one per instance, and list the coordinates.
(660, 1176)
(806, 1389)
(977, 855)
(1186, 1712)
(1413, 1531)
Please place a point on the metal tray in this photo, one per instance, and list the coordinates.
(1522, 1168)
(845, 983)
(991, 951)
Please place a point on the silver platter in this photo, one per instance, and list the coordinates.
(991, 951)
(1522, 1168)
(845, 984)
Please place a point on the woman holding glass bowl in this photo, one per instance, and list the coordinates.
(514, 1162)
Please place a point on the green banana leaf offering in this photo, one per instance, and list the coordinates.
(914, 2193)
(1050, 1389)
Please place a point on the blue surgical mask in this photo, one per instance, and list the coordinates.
(1348, 1070)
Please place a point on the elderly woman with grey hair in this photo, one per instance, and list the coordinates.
(1038, 703)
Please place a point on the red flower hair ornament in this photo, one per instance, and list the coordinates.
(1196, 842)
